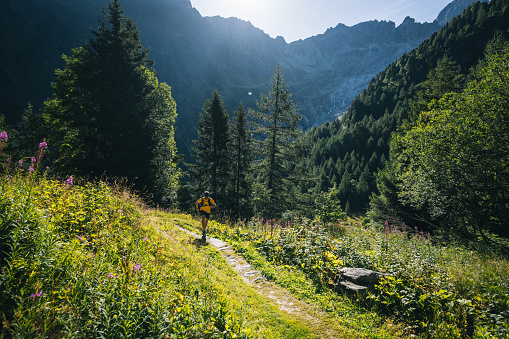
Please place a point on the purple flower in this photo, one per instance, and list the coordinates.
(33, 159)
(69, 181)
(20, 162)
(9, 160)
(43, 145)
(80, 238)
(3, 136)
(145, 239)
(111, 275)
(30, 169)
(136, 268)
(47, 168)
(35, 295)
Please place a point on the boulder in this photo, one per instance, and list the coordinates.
(360, 275)
(359, 280)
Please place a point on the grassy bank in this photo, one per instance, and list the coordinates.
(434, 290)
(88, 260)
(83, 260)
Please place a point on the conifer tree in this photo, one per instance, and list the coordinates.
(101, 116)
(242, 157)
(277, 126)
(211, 170)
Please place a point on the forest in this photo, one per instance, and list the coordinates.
(415, 172)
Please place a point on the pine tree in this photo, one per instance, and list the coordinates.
(242, 157)
(103, 108)
(278, 128)
(212, 168)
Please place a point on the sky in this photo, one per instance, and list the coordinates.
(300, 19)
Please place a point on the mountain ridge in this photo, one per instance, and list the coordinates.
(196, 55)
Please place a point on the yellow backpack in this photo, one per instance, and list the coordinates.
(202, 203)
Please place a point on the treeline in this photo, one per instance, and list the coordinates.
(348, 152)
(249, 163)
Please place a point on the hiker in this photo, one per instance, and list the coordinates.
(204, 206)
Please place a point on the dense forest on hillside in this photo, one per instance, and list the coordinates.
(349, 151)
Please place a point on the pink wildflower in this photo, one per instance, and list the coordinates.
(69, 181)
(3, 136)
(33, 296)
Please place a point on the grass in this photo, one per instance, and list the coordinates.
(90, 260)
(436, 291)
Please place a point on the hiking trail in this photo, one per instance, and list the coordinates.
(279, 296)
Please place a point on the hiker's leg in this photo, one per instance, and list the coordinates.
(203, 222)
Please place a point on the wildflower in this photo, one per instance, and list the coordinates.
(3, 136)
(136, 268)
(69, 181)
(30, 169)
(20, 162)
(43, 145)
(111, 275)
(47, 168)
(145, 239)
(35, 295)
(80, 238)
(33, 159)
(91, 256)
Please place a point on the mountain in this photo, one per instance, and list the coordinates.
(196, 55)
(349, 151)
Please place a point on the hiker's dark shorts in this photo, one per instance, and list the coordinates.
(207, 215)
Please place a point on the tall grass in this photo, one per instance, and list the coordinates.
(78, 261)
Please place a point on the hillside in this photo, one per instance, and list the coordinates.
(196, 55)
(87, 260)
(348, 152)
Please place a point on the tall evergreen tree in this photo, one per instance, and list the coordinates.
(212, 168)
(101, 116)
(277, 126)
(241, 160)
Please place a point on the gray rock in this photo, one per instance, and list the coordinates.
(360, 275)
(359, 280)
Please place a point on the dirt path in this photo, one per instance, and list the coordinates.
(286, 301)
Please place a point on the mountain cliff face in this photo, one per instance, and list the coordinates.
(196, 55)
